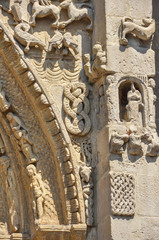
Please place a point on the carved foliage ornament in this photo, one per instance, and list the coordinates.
(144, 32)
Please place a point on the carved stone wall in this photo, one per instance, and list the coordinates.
(78, 139)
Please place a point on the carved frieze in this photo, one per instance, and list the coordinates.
(122, 194)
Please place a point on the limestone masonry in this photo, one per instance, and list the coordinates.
(79, 144)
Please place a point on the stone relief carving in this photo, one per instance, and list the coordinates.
(144, 32)
(87, 186)
(122, 194)
(44, 10)
(98, 68)
(4, 104)
(25, 38)
(117, 142)
(13, 201)
(76, 107)
(130, 109)
(16, 11)
(66, 40)
(21, 135)
(134, 106)
(38, 191)
(76, 14)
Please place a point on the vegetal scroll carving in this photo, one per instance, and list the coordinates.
(144, 32)
(76, 14)
(122, 194)
(25, 38)
(98, 68)
(76, 107)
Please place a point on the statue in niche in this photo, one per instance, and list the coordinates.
(134, 106)
(117, 142)
(20, 133)
(4, 104)
(142, 32)
(13, 203)
(98, 68)
(135, 147)
(38, 191)
(76, 14)
(16, 11)
(44, 10)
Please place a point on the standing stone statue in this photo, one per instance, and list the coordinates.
(38, 191)
(134, 105)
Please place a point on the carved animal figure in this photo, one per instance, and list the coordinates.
(25, 38)
(76, 14)
(4, 104)
(142, 32)
(15, 10)
(39, 11)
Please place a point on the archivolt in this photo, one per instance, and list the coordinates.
(52, 145)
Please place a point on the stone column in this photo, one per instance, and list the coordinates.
(127, 169)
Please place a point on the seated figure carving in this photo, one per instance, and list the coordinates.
(144, 32)
(98, 68)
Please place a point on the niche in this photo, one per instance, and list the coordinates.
(131, 103)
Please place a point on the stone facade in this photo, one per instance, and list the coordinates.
(78, 137)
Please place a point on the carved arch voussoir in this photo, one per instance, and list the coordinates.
(73, 209)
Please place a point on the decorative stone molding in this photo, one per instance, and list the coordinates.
(144, 32)
(76, 107)
(122, 194)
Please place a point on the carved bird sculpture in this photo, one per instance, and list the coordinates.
(70, 42)
(56, 41)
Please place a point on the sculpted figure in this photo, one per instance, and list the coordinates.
(144, 32)
(98, 68)
(76, 14)
(39, 11)
(38, 191)
(152, 99)
(4, 104)
(25, 38)
(153, 146)
(87, 186)
(13, 202)
(59, 40)
(16, 11)
(135, 147)
(24, 142)
(134, 105)
(117, 142)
